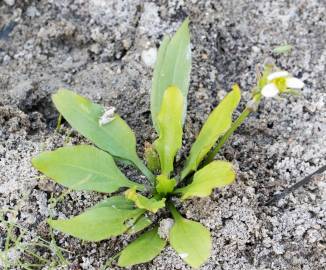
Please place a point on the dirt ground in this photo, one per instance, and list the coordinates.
(95, 47)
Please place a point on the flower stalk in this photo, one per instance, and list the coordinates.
(251, 106)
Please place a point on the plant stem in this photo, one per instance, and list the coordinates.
(211, 155)
(141, 166)
(59, 122)
(173, 210)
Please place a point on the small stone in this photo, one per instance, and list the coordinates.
(204, 56)
(255, 49)
(97, 36)
(95, 48)
(6, 59)
(149, 57)
(32, 12)
(46, 185)
(221, 94)
(126, 43)
(165, 227)
(10, 2)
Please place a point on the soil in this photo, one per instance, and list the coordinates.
(101, 49)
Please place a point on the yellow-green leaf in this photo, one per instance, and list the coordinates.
(172, 67)
(83, 167)
(143, 202)
(165, 185)
(99, 222)
(214, 175)
(115, 137)
(170, 128)
(191, 240)
(144, 249)
(217, 123)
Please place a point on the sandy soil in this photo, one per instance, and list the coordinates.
(95, 47)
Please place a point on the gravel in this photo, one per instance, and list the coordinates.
(105, 50)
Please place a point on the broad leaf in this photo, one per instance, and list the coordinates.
(143, 202)
(144, 249)
(170, 124)
(99, 222)
(215, 174)
(115, 137)
(172, 67)
(165, 185)
(191, 240)
(218, 122)
(82, 167)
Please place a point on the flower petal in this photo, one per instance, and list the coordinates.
(277, 74)
(294, 83)
(269, 90)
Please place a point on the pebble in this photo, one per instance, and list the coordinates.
(149, 57)
(32, 12)
(10, 2)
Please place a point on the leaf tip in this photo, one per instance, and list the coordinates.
(185, 22)
(237, 92)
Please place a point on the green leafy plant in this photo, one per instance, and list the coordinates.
(94, 168)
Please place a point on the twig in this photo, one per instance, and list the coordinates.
(288, 190)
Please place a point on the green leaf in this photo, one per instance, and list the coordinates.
(144, 249)
(117, 201)
(142, 223)
(115, 137)
(172, 67)
(83, 167)
(99, 222)
(170, 124)
(165, 185)
(215, 174)
(191, 240)
(218, 122)
(144, 203)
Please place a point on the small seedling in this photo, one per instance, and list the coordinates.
(93, 168)
(283, 49)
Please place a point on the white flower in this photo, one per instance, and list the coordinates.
(270, 90)
(107, 116)
(294, 83)
(277, 74)
(278, 82)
